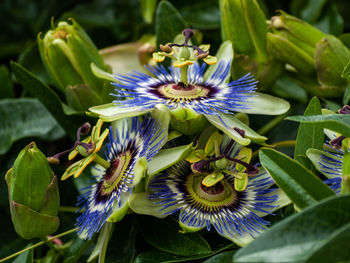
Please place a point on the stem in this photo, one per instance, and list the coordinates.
(184, 70)
(281, 144)
(49, 244)
(107, 233)
(98, 159)
(271, 124)
(39, 244)
(69, 209)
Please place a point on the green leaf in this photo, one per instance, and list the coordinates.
(22, 118)
(287, 88)
(76, 250)
(26, 257)
(164, 235)
(147, 10)
(224, 257)
(169, 23)
(167, 157)
(121, 247)
(346, 72)
(6, 88)
(300, 184)
(309, 135)
(202, 15)
(335, 122)
(164, 257)
(48, 98)
(319, 233)
(346, 97)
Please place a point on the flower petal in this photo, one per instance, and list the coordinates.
(329, 164)
(110, 112)
(266, 104)
(140, 204)
(226, 123)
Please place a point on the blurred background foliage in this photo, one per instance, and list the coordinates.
(108, 23)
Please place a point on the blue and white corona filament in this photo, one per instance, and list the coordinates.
(234, 214)
(202, 96)
(129, 143)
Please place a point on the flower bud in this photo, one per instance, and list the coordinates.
(244, 24)
(33, 194)
(331, 57)
(81, 97)
(67, 52)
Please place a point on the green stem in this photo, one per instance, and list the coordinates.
(184, 70)
(39, 244)
(107, 233)
(69, 209)
(271, 124)
(281, 144)
(98, 159)
(49, 243)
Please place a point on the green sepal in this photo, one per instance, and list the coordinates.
(189, 229)
(139, 170)
(111, 112)
(81, 97)
(51, 204)
(168, 157)
(187, 121)
(331, 57)
(118, 212)
(102, 74)
(31, 224)
(140, 204)
(284, 50)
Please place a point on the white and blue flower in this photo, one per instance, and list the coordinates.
(131, 143)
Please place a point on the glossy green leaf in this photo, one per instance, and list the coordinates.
(319, 233)
(287, 88)
(48, 98)
(164, 257)
(121, 247)
(302, 186)
(21, 118)
(202, 15)
(169, 23)
(26, 257)
(147, 10)
(6, 88)
(224, 257)
(167, 157)
(335, 122)
(164, 234)
(309, 135)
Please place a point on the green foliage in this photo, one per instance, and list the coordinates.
(317, 234)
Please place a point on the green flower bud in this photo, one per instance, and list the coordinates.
(67, 52)
(295, 30)
(187, 121)
(33, 194)
(81, 97)
(244, 24)
(331, 57)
